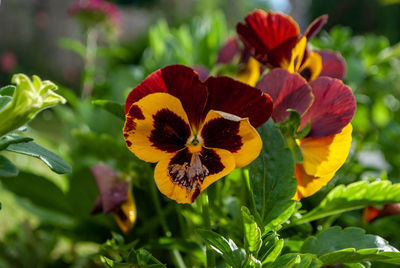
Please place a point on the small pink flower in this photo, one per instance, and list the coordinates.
(8, 61)
(100, 9)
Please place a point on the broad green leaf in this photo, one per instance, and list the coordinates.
(12, 139)
(7, 168)
(40, 191)
(55, 162)
(252, 233)
(350, 245)
(354, 196)
(234, 256)
(271, 176)
(296, 260)
(7, 90)
(271, 248)
(113, 107)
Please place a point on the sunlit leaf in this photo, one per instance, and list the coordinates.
(349, 245)
(271, 176)
(113, 107)
(53, 161)
(252, 233)
(354, 196)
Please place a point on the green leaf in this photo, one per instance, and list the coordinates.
(53, 161)
(38, 190)
(12, 139)
(354, 196)
(296, 260)
(271, 175)
(4, 100)
(113, 107)
(7, 168)
(234, 256)
(252, 233)
(350, 245)
(271, 248)
(7, 90)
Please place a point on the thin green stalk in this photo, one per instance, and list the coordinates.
(207, 222)
(176, 255)
(90, 61)
(250, 196)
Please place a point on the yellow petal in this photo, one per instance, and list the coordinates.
(297, 56)
(323, 156)
(126, 215)
(250, 73)
(312, 66)
(156, 127)
(232, 133)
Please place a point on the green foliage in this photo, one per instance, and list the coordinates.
(272, 179)
(12, 139)
(252, 233)
(271, 248)
(350, 245)
(354, 196)
(53, 161)
(7, 168)
(234, 256)
(294, 260)
(113, 107)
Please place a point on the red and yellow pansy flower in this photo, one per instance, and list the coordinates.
(328, 106)
(196, 131)
(274, 40)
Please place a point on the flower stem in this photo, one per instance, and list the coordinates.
(176, 256)
(207, 222)
(90, 62)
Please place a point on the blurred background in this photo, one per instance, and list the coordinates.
(104, 57)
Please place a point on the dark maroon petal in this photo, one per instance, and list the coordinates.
(113, 190)
(153, 83)
(230, 96)
(222, 133)
(202, 71)
(187, 169)
(170, 131)
(333, 107)
(333, 64)
(228, 51)
(179, 81)
(288, 91)
(282, 53)
(184, 83)
(263, 32)
(315, 26)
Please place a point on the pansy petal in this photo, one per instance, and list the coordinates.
(202, 71)
(311, 67)
(263, 32)
(315, 26)
(323, 156)
(250, 73)
(229, 50)
(126, 214)
(153, 83)
(113, 190)
(333, 64)
(308, 185)
(230, 96)
(288, 91)
(179, 81)
(232, 133)
(172, 175)
(156, 126)
(281, 55)
(333, 107)
(297, 56)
